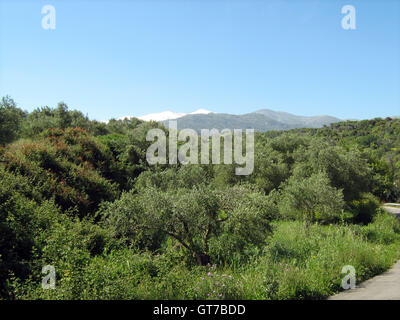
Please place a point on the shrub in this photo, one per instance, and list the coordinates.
(11, 119)
(193, 217)
(186, 176)
(346, 169)
(249, 214)
(311, 199)
(364, 208)
(385, 229)
(21, 228)
(121, 216)
(16, 241)
(66, 165)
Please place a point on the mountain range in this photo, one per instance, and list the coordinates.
(261, 120)
(166, 115)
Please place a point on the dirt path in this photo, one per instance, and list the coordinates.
(385, 286)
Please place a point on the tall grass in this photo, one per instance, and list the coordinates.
(297, 263)
(307, 264)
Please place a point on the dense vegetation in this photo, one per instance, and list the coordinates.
(79, 195)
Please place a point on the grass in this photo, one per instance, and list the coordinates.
(296, 263)
(307, 264)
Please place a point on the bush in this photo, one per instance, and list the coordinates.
(247, 228)
(67, 165)
(11, 119)
(385, 229)
(121, 216)
(16, 241)
(193, 217)
(22, 227)
(311, 199)
(365, 208)
(186, 176)
(346, 169)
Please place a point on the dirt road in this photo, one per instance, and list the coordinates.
(383, 287)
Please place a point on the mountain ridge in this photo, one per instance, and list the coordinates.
(260, 120)
(166, 115)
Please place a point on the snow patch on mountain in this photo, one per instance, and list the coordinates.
(166, 115)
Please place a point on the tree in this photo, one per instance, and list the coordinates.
(311, 199)
(61, 118)
(270, 169)
(11, 119)
(191, 216)
(185, 176)
(346, 169)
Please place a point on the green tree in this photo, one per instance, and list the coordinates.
(191, 216)
(311, 199)
(11, 119)
(346, 169)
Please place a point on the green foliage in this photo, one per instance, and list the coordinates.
(121, 216)
(173, 178)
(248, 215)
(385, 229)
(45, 118)
(346, 169)
(311, 199)
(191, 216)
(11, 119)
(378, 139)
(65, 165)
(296, 264)
(216, 286)
(364, 208)
(307, 264)
(79, 195)
(16, 241)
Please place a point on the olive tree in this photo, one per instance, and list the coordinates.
(346, 169)
(311, 199)
(191, 216)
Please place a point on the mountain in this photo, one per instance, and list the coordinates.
(298, 121)
(161, 116)
(230, 121)
(167, 115)
(261, 120)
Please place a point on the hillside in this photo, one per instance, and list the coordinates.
(261, 120)
(80, 196)
(298, 121)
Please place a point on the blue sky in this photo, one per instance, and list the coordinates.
(116, 58)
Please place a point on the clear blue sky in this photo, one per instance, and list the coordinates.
(116, 58)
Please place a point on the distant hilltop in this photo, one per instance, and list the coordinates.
(261, 120)
(167, 115)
